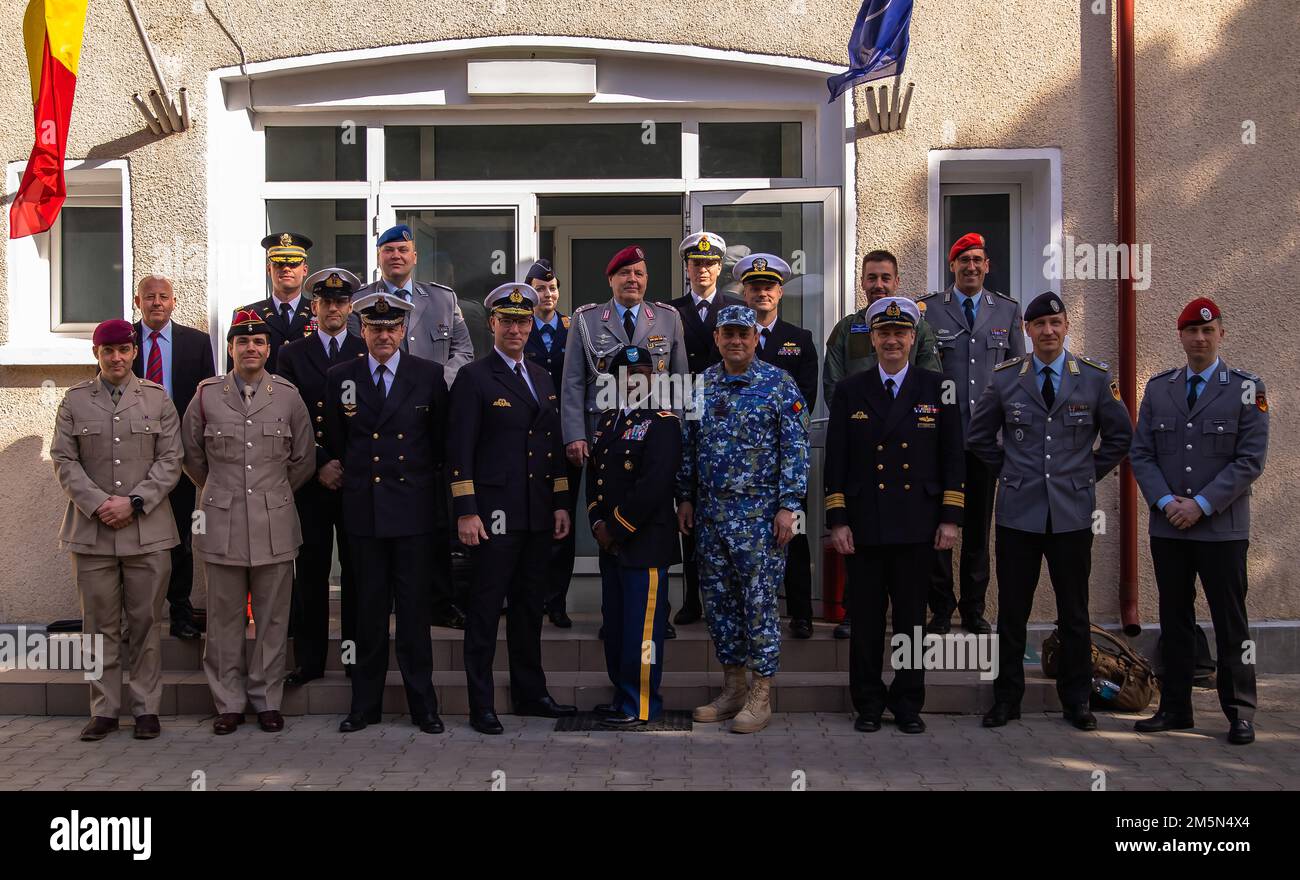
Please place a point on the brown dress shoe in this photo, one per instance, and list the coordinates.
(227, 723)
(147, 727)
(271, 721)
(98, 728)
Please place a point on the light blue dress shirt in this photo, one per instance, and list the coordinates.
(1056, 365)
(1205, 375)
(164, 349)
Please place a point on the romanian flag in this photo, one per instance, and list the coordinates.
(52, 31)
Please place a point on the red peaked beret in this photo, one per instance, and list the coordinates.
(965, 243)
(113, 332)
(626, 257)
(1201, 310)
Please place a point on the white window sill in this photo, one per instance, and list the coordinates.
(51, 351)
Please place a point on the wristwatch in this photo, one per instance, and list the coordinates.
(137, 504)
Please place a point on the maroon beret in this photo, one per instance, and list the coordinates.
(1201, 310)
(626, 257)
(114, 332)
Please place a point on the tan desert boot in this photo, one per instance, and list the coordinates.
(758, 709)
(732, 699)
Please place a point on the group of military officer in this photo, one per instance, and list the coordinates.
(334, 421)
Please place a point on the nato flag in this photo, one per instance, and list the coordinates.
(878, 45)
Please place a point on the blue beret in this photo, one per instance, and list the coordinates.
(400, 232)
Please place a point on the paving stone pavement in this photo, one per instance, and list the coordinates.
(817, 751)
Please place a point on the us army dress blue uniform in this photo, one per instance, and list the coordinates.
(391, 441)
(630, 481)
(973, 335)
(894, 471)
(1047, 475)
(1212, 451)
(743, 459)
(507, 468)
(305, 362)
(282, 327)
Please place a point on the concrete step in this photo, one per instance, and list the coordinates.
(24, 692)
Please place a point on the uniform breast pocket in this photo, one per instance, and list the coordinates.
(1079, 429)
(1166, 439)
(1018, 425)
(946, 348)
(1219, 437)
(219, 441)
(997, 349)
(144, 433)
(277, 440)
(89, 437)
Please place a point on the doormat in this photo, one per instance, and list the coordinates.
(586, 722)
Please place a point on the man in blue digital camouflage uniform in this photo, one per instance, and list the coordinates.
(745, 468)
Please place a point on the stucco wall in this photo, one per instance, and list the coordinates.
(1221, 216)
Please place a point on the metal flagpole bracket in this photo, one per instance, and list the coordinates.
(161, 113)
(886, 108)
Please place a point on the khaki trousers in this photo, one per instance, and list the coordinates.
(110, 586)
(260, 681)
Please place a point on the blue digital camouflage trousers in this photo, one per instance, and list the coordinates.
(741, 570)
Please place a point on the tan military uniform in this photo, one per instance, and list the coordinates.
(101, 449)
(247, 460)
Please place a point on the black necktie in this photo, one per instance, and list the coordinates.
(765, 334)
(286, 312)
(889, 386)
(629, 324)
(1192, 385)
(969, 308)
(519, 371)
(1049, 393)
(379, 383)
(334, 347)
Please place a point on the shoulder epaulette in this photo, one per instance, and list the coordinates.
(1006, 296)
(281, 380)
(84, 383)
(928, 295)
(1247, 373)
(584, 308)
(1097, 365)
(1009, 363)
(147, 384)
(436, 284)
(213, 380)
(667, 306)
(1164, 373)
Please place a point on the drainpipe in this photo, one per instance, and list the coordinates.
(1126, 175)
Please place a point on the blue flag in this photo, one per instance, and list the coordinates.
(878, 45)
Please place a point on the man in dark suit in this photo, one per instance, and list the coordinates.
(285, 312)
(386, 420)
(784, 345)
(635, 455)
(702, 255)
(545, 347)
(894, 496)
(177, 358)
(509, 490)
(305, 362)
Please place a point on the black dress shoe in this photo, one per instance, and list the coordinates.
(185, 629)
(450, 617)
(914, 724)
(358, 721)
(486, 722)
(977, 625)
(801, 628)
(429, 724)
(688, 615)
(298, 678)
(98, 728)
(622, 722)
(560, 618)
(1163, 720)
(939, 626)
(843, 631)
(1080, 716)
(546, 707)
(867, 723)
(669, 632)
(1000, 714)
(607, 710)
(1242, 733)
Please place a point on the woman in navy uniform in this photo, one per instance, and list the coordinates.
(509, 489)
(633, 467)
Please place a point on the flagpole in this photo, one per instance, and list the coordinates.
(168, 117)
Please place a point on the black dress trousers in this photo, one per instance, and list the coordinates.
(321, 513)
(880, 577)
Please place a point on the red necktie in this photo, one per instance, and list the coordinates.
(153, 372)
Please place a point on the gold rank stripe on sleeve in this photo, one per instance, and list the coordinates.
(592, 506)
(461, 488)
(561, 484)
(834, 500)
(623, 522)
(953, 498)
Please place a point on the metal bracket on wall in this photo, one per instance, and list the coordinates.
(885, 112)
(163, 114)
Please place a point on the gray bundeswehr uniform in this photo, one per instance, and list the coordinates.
(969, 354)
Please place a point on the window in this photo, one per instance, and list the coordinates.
(318, 152)
(86, 267)
(337, 228)
(993, 210)
(751, 149)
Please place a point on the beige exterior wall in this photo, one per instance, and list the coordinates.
(1221, 216)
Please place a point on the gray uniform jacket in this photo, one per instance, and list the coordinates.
(595, 336)
(969, 354)
(436, 329)
(1046, 461)
(1216, 450)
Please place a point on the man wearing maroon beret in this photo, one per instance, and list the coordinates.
(1202, 436)
(975, 330)
(117, 454)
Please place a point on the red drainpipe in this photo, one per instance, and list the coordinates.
(1127, 179)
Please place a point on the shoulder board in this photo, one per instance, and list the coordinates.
(1099, 365)
(84, 383)
(666, 306)
(1164, 373)
(1246, 373)
(1009, 363)
(928, 295)
(666, 414)
(436, 284)
(586, 308)
(145, 383)
(1005, 296)
(281, 380)
(213, 380)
